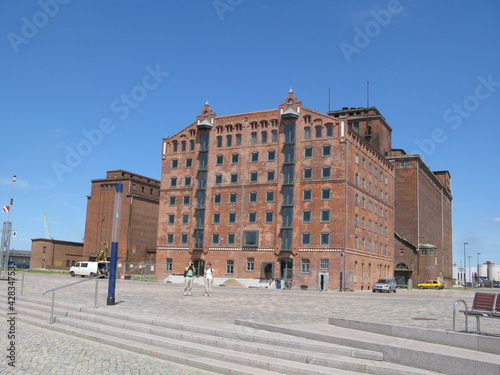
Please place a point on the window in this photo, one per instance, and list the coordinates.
(230, 238)
(305, 266)
(170, 238)
(270, 176)
(234, 178)
(216, 218)
(270, 196)
(250, 238)
(215, 238)
(217, 198)
(250, 264)
(172, 200)
(254, 176)
(183, 146)
(231, 218)
(168, 265)
(263, 137)
(307, 132)
(325, 239)
(269, 216)
(229, 140)
(308, 152)
(401, 252)
(356, 200)
(329, 130)
(185, 219)
(307, 195)
(219, 141)
(253, 138)
(274, 136)
(184, 239)
(189, 162)
(317, 130)
(287, 195)
(187, 181)
(218, 179)
(324, 264)
(229, 267)
(271, 155)
(307, 173)
(171, 219)
(356, 158)
(289, 133)
(356, 221)
(327, 150)
(306, 216)
(326, 172)
(356, 179)
(233, 198)
(238, 139)
(219, 160)
(252, 217)
(254, 157)
(325, 216)
(175, 163)
(306, 239)
(173, 182)
(253, 197)
(191, 145)
(235, 158)
(186, 200)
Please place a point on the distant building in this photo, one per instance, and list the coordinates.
(54, 254)
(423, 221)
(20, 257)
(138, 220)
(288, 193)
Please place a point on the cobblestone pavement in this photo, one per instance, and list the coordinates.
(43, 351)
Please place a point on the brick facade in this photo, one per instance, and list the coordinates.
(423, 243)
(54, 254)
(288, 193)
(138, 218)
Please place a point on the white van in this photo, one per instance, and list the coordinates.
(86, 268)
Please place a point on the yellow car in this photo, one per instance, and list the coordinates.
(431, 284)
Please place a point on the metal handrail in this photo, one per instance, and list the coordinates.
(22, 279)
(53, 290)
(454, 313)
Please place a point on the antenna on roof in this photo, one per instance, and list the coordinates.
(367, 94)
(328, 100)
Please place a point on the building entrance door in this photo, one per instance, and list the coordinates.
(286, 268)
(323, 281)
(199, 266)
(266, 271)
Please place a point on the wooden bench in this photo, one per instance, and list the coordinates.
(484, 305)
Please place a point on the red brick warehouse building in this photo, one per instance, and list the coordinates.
(286, 193)
(138, 219)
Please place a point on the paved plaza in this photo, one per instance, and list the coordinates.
(42, 351)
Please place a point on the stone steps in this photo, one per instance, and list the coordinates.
(228, 350)
(399, 347)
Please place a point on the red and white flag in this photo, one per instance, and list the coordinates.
(6, 208)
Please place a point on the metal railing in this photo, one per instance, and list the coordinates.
(53, 291)
(454, 313)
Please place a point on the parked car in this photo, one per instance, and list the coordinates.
(384, 285)
(431, 284)
(23, 265)
(496, 285)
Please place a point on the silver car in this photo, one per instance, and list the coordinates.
(384, 285)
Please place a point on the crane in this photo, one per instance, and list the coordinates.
(47, 231)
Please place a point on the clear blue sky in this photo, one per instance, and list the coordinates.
(91, 86)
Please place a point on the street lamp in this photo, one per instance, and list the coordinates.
(477, 272)
(465, 267)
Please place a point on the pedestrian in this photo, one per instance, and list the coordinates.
(189, 272)
(209, 278)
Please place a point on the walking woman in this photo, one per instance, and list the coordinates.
(209, 278)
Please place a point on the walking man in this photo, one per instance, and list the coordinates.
(189, 272)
